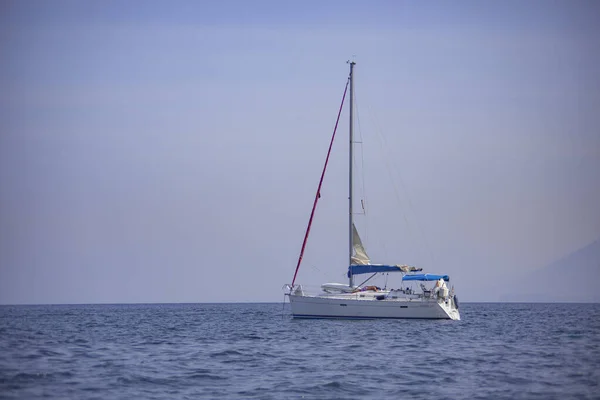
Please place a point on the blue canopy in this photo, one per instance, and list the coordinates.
(371, 269)
(425, 277)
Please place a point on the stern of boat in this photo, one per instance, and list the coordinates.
(450, 307)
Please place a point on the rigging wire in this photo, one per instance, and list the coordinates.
(386, 156)
(327, 276)
(381, 242)
(318, 194)
(367, 280)
(362, 158)
(363, 200)
(385, 146)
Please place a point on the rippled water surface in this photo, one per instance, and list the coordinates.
(236, 351)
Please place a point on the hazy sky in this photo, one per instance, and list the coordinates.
(170, 151)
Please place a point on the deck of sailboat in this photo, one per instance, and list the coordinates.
(374, 296)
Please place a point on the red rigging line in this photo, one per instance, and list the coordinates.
(318, 194)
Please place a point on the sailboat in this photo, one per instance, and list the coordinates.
(431, 299)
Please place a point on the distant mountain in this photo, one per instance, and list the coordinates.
(573, 278)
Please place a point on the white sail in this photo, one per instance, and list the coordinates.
(360, 256)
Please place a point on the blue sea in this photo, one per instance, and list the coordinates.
(256, 351)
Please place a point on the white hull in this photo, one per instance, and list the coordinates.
(351, 306)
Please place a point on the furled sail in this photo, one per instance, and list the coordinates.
(360, 256)
(408, 268)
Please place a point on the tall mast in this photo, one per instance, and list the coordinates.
(350, 219)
